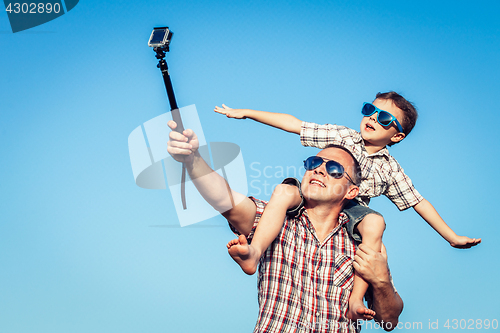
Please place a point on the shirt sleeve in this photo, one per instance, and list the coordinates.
(401, 190)
(321, 136)
(261, 205)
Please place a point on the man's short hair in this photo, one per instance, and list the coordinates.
(410, 113)
(355, 173)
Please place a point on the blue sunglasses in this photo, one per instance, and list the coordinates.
(384, 118)
(333, 168)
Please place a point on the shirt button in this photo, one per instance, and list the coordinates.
(317, 314)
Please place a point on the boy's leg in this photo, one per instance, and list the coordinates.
(371, 229)
(244, 254)
(268, 228)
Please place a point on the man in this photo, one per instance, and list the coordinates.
(306, 275)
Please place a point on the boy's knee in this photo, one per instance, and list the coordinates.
(373, 223)
(285, 189)
(375, 218)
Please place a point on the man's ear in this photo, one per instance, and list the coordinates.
(397, 137)
(352, 192)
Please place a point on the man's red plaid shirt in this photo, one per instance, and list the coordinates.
(304, 284)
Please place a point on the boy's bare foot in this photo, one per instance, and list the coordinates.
(357, 310)
(244, 254)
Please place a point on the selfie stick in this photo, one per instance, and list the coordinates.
(160, 40)
(162, 65)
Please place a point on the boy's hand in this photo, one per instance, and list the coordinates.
(230, 113)
(463, 242)
(182, 145)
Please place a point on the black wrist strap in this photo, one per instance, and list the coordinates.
(293, 212)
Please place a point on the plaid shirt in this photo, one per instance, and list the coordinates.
(380, 172)
(304, 284)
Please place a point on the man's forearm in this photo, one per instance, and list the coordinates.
(372, 267)
(387, 304)
(212, 186)
(235, 207)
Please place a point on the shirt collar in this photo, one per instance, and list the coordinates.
(382, 152)
(343, 219)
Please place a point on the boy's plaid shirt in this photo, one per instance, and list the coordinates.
(381, 174)
(304, 285)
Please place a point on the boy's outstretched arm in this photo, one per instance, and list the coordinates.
(282, 121)
(427, 211)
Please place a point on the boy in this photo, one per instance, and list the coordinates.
(387, 121)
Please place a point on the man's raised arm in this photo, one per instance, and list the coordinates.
(235, 207)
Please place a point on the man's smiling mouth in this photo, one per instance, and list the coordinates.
(316, 182)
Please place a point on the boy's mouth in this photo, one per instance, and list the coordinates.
(370, 127)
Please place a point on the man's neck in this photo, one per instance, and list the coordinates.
(324, 218)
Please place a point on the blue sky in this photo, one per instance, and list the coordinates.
(82, 248)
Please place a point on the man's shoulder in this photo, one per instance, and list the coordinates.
(260, 204)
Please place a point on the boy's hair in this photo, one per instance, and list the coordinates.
(356, 174)
(410, 113)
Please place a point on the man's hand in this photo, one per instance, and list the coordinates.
(230, 113)
(372, 265)
(182, 145)
(463, 242)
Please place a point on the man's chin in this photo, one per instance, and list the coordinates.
(309, 194)
(312, 197)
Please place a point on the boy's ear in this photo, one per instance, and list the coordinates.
(352, 192)
(397, 137)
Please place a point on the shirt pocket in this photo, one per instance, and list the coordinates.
(340, 290)
(343, 275)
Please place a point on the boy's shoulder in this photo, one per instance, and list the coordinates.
(388, 161)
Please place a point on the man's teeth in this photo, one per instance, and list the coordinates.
(318, 183)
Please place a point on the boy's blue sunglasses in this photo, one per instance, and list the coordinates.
(334, 168)
(384, 118)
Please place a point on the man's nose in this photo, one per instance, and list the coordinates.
(320, 170)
